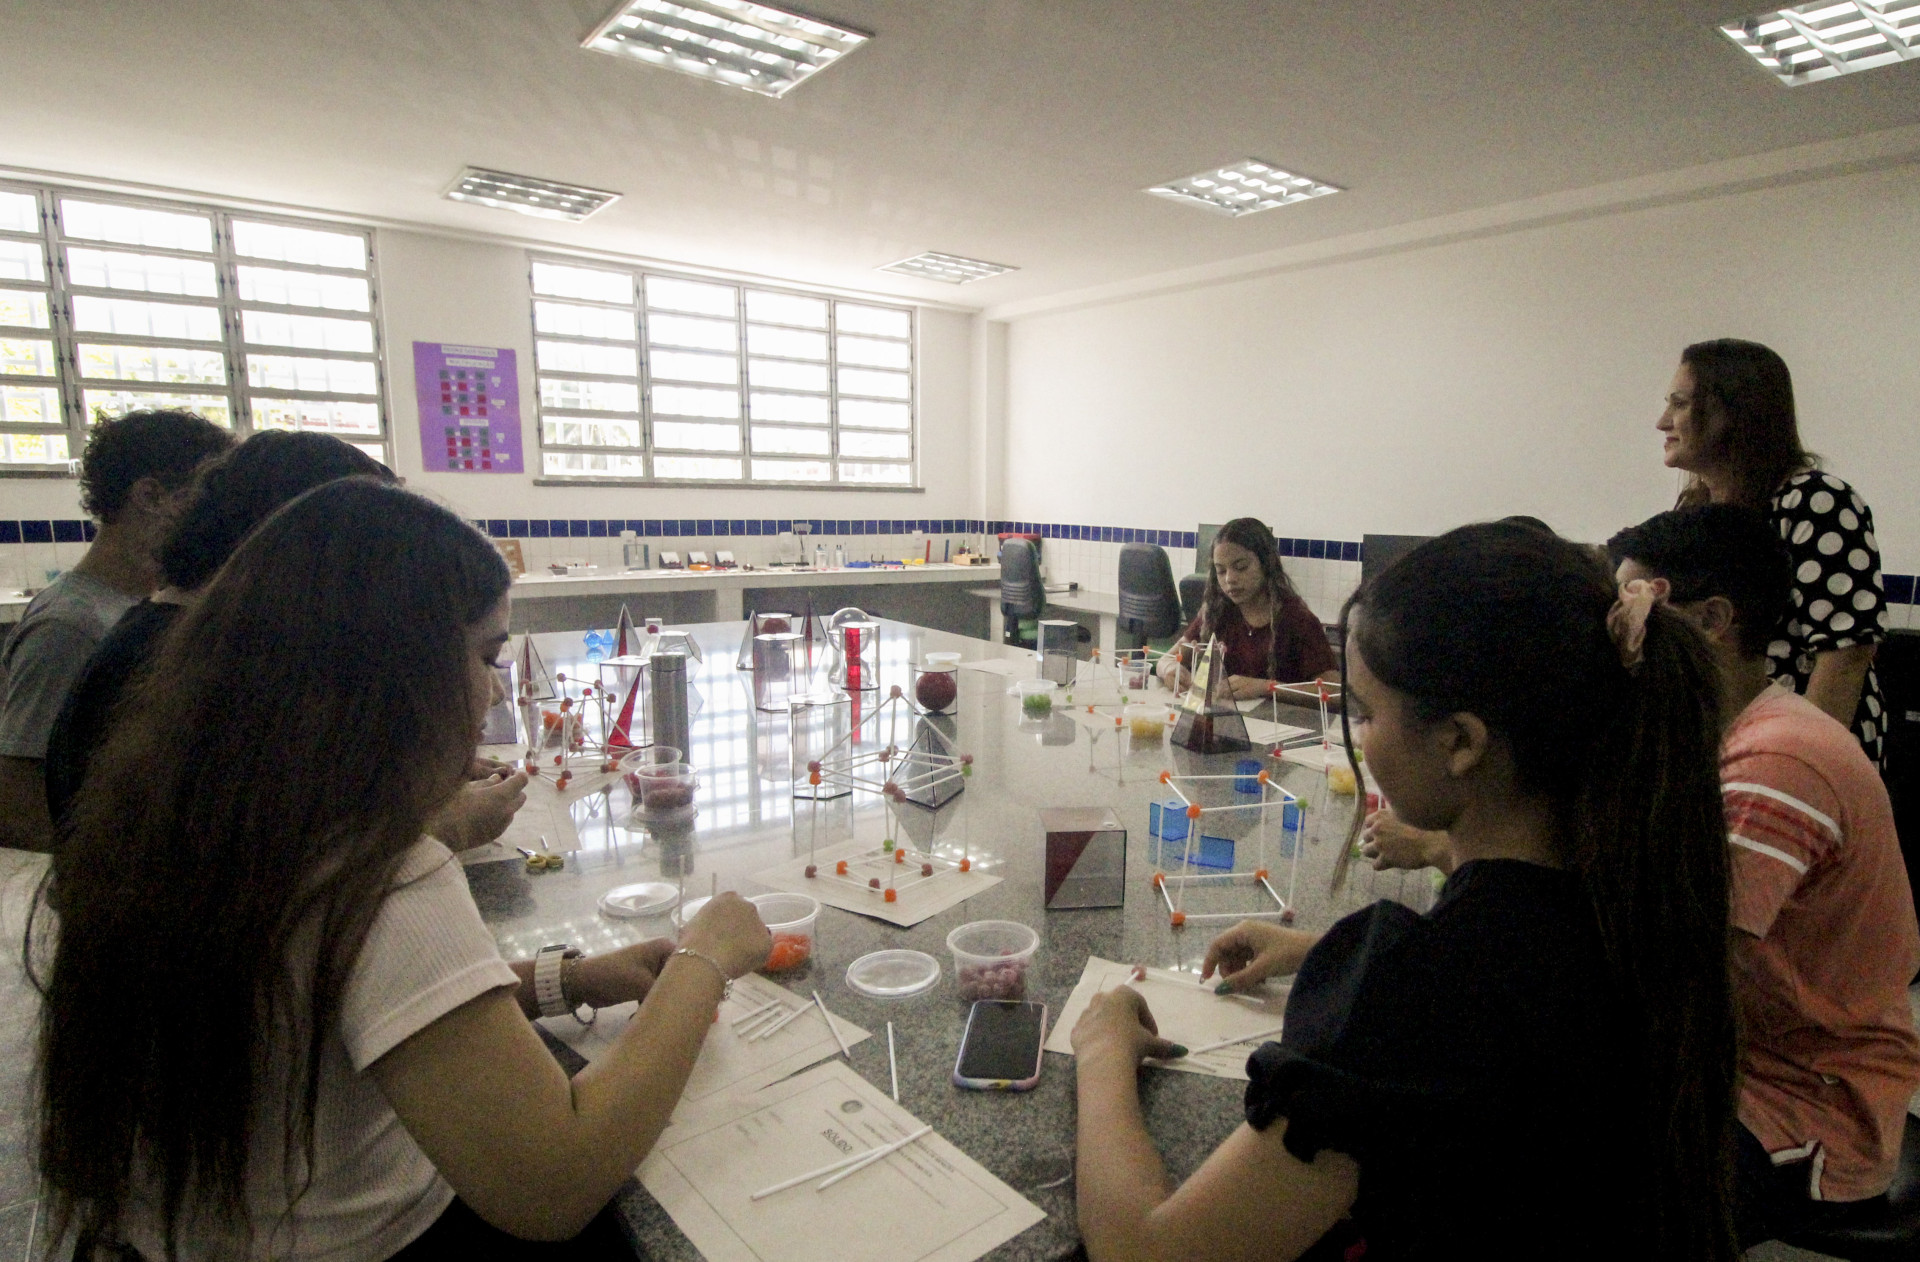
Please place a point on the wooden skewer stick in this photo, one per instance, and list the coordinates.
(893, 1066)
(770, 1014)
(829, 1168)
(870, 1159)
(828, 1018)
(746, 1018)
(1244, 1038)
(777, 1025)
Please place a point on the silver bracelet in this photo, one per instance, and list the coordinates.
(726, 982)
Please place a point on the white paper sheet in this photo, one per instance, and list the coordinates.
(928, 1202)
(1266, 732)
(1186, 1011)
(730, 1064)
(548, 813)
(916, 897)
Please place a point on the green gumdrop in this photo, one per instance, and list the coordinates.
(887, 846)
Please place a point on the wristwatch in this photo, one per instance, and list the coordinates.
(548, 971)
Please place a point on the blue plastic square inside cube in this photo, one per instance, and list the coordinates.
(1167, 820)
(1209, 852)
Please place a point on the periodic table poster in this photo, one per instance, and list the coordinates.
(469, 408)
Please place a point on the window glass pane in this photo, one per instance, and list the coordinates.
(376, 450)
(694, 401)
(327, 417)
(150, 273)
(570, 321)
(304, 289)
(854, 471)
(29, 405)
(145, 319)
(26, 357)
(136, 225)
(589, 396)
(784, 374)
(695, 467)
(32, 448)
(875, 353)
(871, 415)
(686, 436)
(583, 282)
(787, 309)
(792, 442)
(21, 260)
(312, 333)
(723, 370)
(23, 308)
(851, 317)
(877, 446)
(164, 365)
(888, 385)
(19, 212)
(573, 431)
(310, 246)
(611, 361)
(792, 471)
(105, 403)
(666, 294)
(318, 376)
(583, 464)
(793, 343)
(798, 409)
(706, 335)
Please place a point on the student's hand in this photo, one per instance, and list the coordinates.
(1247, 688)
(622, 976)
(483, 768)
(1392, 843)
(1253, 951)
(729, 931)
(480, 811)
(1117, 1025)
(1173, 672)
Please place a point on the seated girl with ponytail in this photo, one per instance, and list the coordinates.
(274, 1023)
(1541, 1066)
(1266, 632)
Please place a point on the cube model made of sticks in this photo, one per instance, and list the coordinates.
(1086, 857)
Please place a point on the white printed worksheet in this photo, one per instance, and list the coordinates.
(1229, 1027)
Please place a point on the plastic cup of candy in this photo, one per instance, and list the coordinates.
(665, 788)
(991, 958)
(1145, 723)
(1036, 697)
(936, 688)
(789, 918)
(635, 762)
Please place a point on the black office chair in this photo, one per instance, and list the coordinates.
(1149, 602)
(1022, 597)
(1193, 592)
(1886, 1227)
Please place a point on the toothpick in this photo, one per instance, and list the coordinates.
(870, 1159)
(777, 1025)
(828, 1017)
(829, 1168)
(771, 1014)
(1244, 1038)
(893, 1066)
(746, 1018)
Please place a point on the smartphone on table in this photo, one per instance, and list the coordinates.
(1001, 1049)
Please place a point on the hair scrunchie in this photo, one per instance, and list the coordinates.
(1627, 620)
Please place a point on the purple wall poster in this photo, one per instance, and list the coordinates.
(469, 408)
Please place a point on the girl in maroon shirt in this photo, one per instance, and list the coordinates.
(1268, 632)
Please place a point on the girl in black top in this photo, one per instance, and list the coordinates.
(1542, 1065)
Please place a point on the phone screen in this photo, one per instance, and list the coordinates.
(1003, 1040)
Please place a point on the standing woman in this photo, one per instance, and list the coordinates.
(274, 1024)
(1729, 422)
(1269, 634)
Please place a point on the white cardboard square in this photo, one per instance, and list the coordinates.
(1186, 1011)
(917, 899)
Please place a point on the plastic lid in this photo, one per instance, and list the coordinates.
(688, 910)
(632, 902)
(893, 974)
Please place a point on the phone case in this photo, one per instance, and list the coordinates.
(1002, 1084)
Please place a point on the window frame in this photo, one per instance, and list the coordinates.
(743, 386)
(238, 390)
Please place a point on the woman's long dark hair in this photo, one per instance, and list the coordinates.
(1252, 534)
(233, 842)
(1746, 391)
(1508, 623)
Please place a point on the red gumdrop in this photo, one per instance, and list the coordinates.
(926, 869)
(966, 760)
(814, 767)
(557, 758)
(893, 692)
(812, 871)
(560, 678)
(873, 883)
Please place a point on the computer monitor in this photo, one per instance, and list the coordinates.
(1203, 546)
(1377, 552)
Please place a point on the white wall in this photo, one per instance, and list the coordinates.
(1519, 373)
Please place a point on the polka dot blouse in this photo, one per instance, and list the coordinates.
(1838, 601)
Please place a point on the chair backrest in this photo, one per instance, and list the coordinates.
(1021, 595)
(1193, 592)
(1149, 602)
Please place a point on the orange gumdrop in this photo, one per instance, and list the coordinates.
(1165, 776)
(966, 865)
(1260, 874)
(1159, 879)
(900, 856)
(1179, 919)
(1263, 777)
(1193, 812)
(891, 896)
(840, 868)
(813, 777)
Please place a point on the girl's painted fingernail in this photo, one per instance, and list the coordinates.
(1178, 1052)
(1224, 988)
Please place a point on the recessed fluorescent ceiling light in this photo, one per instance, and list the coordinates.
(735, 42)
(1818, 41)
(528, 195)
(1243, 188)
(948, 267)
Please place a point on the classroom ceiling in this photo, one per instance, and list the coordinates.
(1017, 131)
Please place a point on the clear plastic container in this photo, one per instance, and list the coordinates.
(790, 919)
(936, 687)
(991, 957)
(1146, 724)
(665, 789)
(1036, 697)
